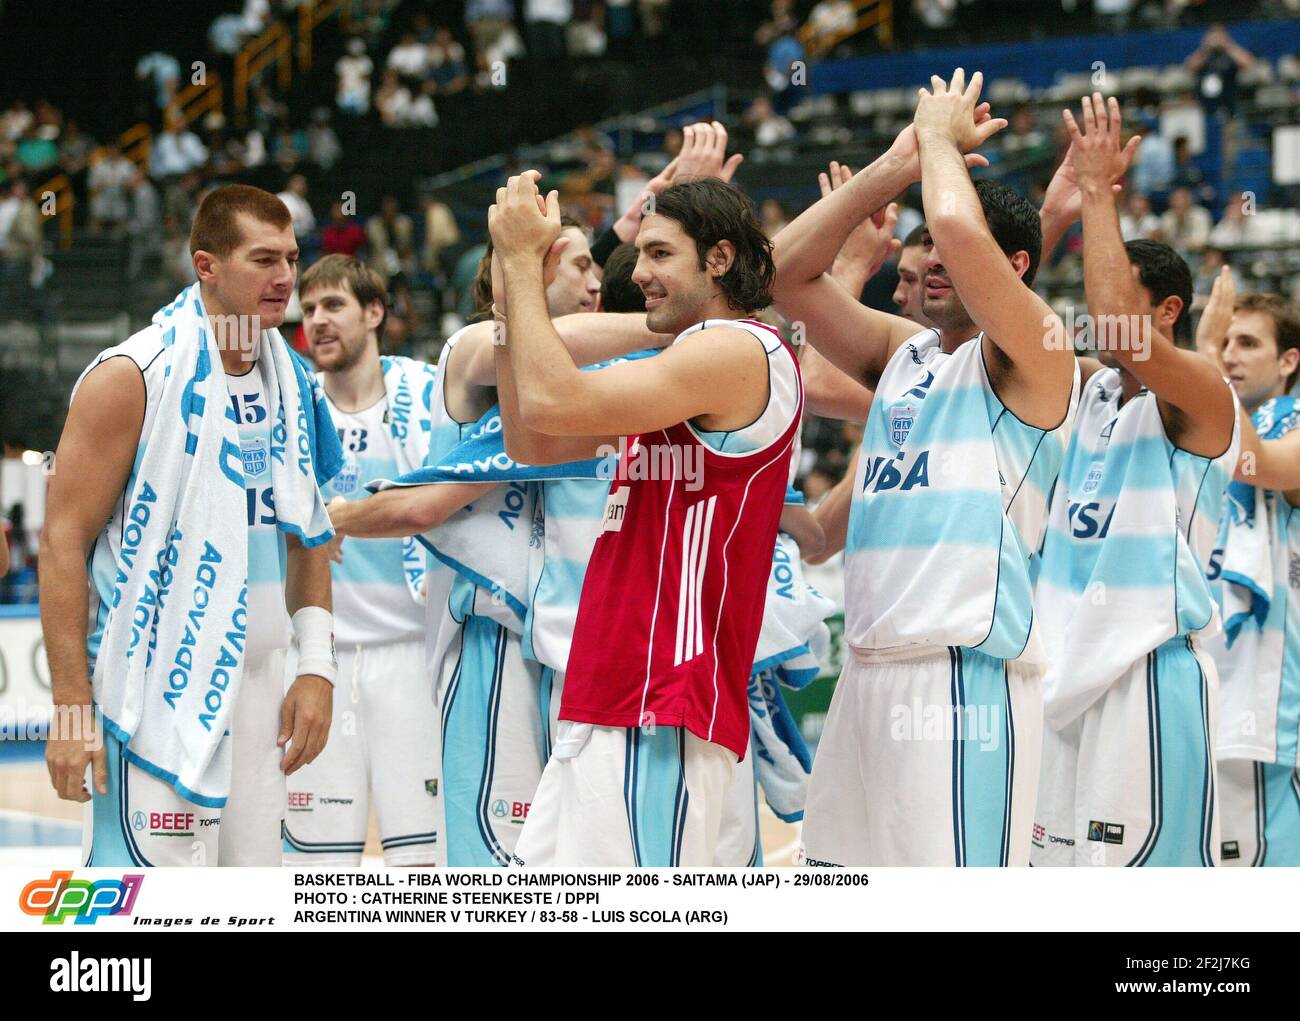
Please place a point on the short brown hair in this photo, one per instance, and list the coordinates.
(365, 283)
(216, 224)
(1286, 322)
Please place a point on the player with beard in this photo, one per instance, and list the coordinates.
(383, 741)
(654, 714)
(1255, 338)
(962, 446)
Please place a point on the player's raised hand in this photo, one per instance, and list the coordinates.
(1212, 330)
(1063, 197)
(953, 110)
(521, 222)
(1099, 159)
(704, 153)
(872, 241)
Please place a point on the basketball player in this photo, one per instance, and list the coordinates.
(929, 756)
(1128, 764)
(1256, 340)
(494, 740)
(245, 256)
(654, 714)
(384, 737)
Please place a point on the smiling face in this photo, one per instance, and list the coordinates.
(677, 291)
(256, 277)
(1255, 368)
(576, 287)
(339, 329)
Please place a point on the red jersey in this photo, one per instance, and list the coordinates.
(673, 598)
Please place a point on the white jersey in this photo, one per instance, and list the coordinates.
(372, 601)
(268, 620)
(1133, 522)
(949, 501)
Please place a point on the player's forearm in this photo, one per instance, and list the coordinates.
(405, 510)
(65, 600)
(1108, 282)
(799, 524)
(851, 274)
(592, 337)
(1054, 225)
(806, 247)
(954, 217)
(1268, 464)
(523, 444)
(306, 576)
(546, 379)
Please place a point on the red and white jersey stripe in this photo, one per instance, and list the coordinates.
(673, 598)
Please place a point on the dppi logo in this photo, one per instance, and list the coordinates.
(61, 896)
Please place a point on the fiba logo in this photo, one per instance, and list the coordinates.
(500, 809)
(137, 820)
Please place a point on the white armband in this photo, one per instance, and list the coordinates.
(313, 630)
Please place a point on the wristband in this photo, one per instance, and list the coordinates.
(313, 630)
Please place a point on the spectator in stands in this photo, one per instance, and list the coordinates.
(422, 113)
(35, 152)
(268, 112)
(441, 235)
(409, 58)
(1112, 15)
(784, 53)
(393, 101)
(447, 67)
(15, 121)
(769, 127)
(544, 22)
(1212, 262)
(1185, 226)
(391, 239)
(1137, 222)
(323, 147)
(1024, 139)
(654, 17)
(620, 28)
(938, 16)
(176, 151)
(342, 235)
(21, 249)
(75, 149)
(1187, 174)
(491, 23)
(162, 72)
(295, 200)
(108, 182)
(374, 22)
(226, 34)
(1216, 63)
(1153, 168)
(1236, 228)
(144, 227)
(354, 69)
(586, 32)
(832, 18)
(288, 147)
(256, 16)
(181, 199)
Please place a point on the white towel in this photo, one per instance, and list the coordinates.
(169, 667)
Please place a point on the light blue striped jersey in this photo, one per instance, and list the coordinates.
(1132, 526)
(372, 601)
(1256, 574)
(949, 502)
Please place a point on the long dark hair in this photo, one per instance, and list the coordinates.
(710, 211)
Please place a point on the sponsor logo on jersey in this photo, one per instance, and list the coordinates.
(1231, 850)
(1293, 574)
(515, 811)
(1040, 832)
(1105, 832)
(336, 801)
(1092, 480)
(901, 419)
(61, 897)
(164, 824)
(615, 509)
(346, 481)
(300, 801)
(431, 787)
(254, 452)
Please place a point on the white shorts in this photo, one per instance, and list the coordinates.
(627, 796)
(927, 761)
(493, 748)
(739, 843)
(1132, 780)
(1260, 810)
(382, 750)
(143, 821)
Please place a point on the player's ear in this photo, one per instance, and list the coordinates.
(1020, 263)
(720, 258)
(1288, 360)
(205, 265)
(1167, 313)
(374, 314)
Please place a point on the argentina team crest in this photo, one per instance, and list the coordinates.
(254, 452)
(901, 419)
(1092, 481)
(346, 481)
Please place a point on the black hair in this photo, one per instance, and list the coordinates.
(1164, 272)
(710, 211)
(1013, 221)
(617, 292)
(916, 236)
